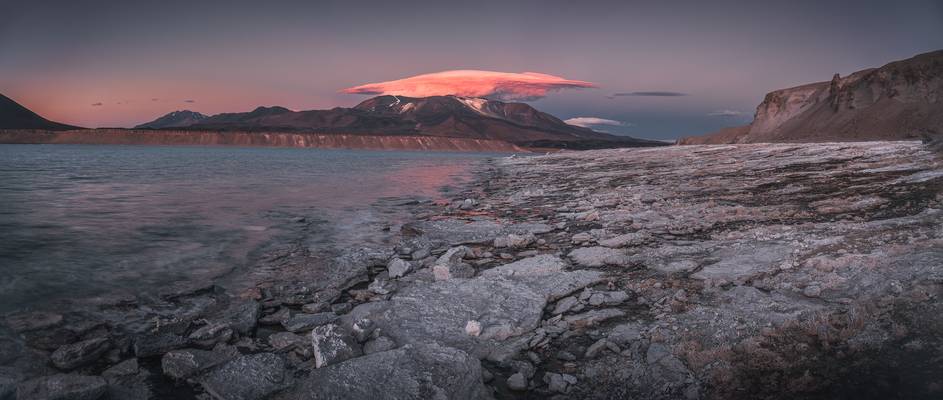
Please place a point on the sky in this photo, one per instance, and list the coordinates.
(662, 71)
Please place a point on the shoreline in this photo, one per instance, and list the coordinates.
(736, 271)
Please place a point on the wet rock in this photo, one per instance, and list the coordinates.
(75, 355)
(381, 343)
(9, 377)
(599, 256)
(413, 372)
(243, 317)
(305, 322)
(517, 382)
(62, 387)
(210, 334)
(157, 344)
(248, 377)
(397, 268)
(333, 344)
(124, 368)
(559, 383)
(187, 363)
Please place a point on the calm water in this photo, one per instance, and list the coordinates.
(86, 221)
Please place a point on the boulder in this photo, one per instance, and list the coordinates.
(187, 363)
(62, 387)
(210, 334)
(559, 383)
(249, 377)
(333, 344)
(306, 322)
(599, 256)
(75, 355)
(243, 316)
(517, 382)
(381, 343)
(412, 372)
(398, 267)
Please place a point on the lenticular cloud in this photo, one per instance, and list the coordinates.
(471, 83)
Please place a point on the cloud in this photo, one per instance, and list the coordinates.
(472, 83)
(189, 101)
(589, 122)
(99, 104)
(650, 94)
(725, 113)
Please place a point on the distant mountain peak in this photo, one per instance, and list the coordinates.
(174, 119)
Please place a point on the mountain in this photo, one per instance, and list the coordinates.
(902, 100)
(175, 119)
(15, 116)
(446, 116)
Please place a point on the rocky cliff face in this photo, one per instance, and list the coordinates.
(265, 139)
(902, 100)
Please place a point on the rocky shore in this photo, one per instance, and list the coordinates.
(739, 271)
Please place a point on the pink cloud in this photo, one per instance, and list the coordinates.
(472, 83)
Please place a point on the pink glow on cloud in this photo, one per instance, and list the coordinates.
(472, 83)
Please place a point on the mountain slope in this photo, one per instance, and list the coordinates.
(901, 100)
(15, 116)
(174, 119)
(447, 116)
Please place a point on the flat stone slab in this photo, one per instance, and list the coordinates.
(599, 256)
(410, 372)
(545, 274)
(250, 377)
(458, 231)
(439, 313)
(744, 261)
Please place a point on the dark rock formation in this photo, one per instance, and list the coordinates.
(15, 116)
(176, 119)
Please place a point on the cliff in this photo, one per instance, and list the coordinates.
(902, 100)
(266, 139)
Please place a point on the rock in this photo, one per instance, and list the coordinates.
(666, 366)
(75, 355)
(559, 383)
(592, 317)
(62, 387)
(565, 356)
(517, 382)
(124, 368)
(278, 317)
(380, 286)
(473, 328)
(625, 334)
(243, 316)
(210, 334)
(363, 329)
(612, 298)
(283, 341)
(564, 305)
(412, 372)
(516, 241)
(305, 322)
(187, 363)
(419, 254)
(545, 274)
(595, 348)
(381, 343)
(626, 240)
(581, 238)
(438, 312)
(458, 231)
(599, 256)
(248, 377)
(314, 308)
(450, 265)
(9, 377)
(333, 344)
(341, 308)
(157, 344)
(397, 267)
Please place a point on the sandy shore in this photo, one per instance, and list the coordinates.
(741, 271)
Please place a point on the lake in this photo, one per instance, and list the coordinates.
(85, 221)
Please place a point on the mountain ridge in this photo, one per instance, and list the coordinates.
(15, 116)
(902, 100)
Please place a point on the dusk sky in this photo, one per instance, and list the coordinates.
(653, 71)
